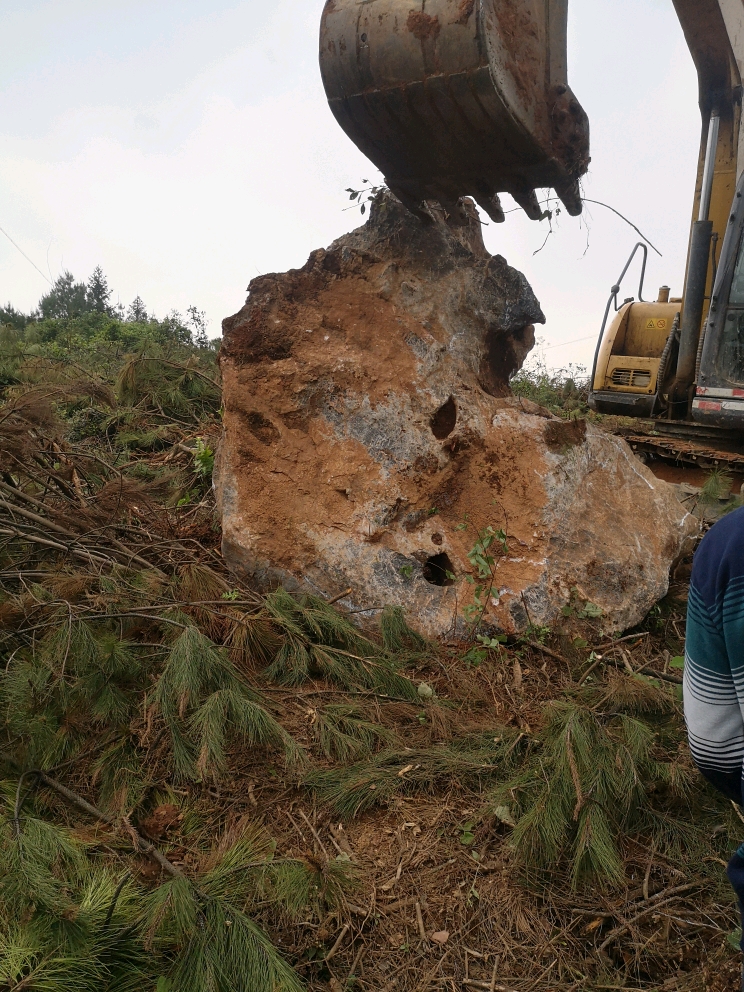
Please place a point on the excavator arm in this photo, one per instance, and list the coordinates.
(471, 97)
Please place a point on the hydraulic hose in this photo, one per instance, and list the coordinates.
(666, 354)
(699, 356)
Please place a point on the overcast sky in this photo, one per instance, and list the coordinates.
(186, 147)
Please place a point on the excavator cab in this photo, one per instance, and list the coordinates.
(719, 392)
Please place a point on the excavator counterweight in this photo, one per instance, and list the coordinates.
(452, 98)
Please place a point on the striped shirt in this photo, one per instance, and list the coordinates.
(714, 656)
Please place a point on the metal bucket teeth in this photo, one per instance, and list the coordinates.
(527, 200)
(491, 205)
(454, 98)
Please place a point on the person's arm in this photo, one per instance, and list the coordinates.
(712, 711)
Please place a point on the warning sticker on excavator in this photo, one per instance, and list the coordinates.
(656, 324)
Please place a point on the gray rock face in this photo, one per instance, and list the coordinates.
(371, 438)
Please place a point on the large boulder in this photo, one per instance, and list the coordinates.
(371, 440)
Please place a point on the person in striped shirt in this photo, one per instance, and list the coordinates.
(714, 668)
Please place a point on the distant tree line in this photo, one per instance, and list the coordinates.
(86, 308)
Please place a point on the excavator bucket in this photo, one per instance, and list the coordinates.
(452, 98)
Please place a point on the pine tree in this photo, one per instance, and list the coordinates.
(198, 321)
(10, 317)
(65, 299)
(137, 312)
(97, 293)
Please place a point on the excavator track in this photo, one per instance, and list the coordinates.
(685, 443)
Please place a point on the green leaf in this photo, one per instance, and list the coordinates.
(677, 662)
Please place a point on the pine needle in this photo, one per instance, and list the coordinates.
(344, 734)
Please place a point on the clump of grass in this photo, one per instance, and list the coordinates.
(562, 391)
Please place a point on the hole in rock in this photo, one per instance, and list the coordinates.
(436, 568)
(444, 419)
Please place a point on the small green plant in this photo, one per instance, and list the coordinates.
(203, 458)
(475, 657)
(492, 642)
(536, 632)
(188, 498)
(564, 391)
(467, 837)
(581, 608)
(484, 564)
(406, 571)
(361, 197)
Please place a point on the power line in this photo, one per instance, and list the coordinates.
(560, 344)
(26, 256)
(623, 217)
(585, 199)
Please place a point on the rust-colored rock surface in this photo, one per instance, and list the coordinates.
(370, 434)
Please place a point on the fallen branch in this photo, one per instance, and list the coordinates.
(420, 923)
(548, 651)
(660, 899)
(341, 595)
(138, 841)
(77, 538)
(619, 640)
(339, 941)
(489, 986)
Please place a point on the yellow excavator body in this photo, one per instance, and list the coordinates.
(631, 353)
